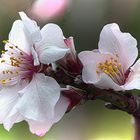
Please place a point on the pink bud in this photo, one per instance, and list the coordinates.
(71, 62)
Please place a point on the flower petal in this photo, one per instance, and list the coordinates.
(52, 46)
(70, 44)
(39, 98)
(87, 57)
(31, 28)
(40, 128)
(133, 80)
(112, 40)
(12, 119)
(52, 35)
(61, 108)
(89, 74)
(106, 82)
(18, 38)
(8, 98)
(93, 57)
(51, 54)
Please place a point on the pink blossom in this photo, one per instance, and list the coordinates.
(26, 92)
(45, 9)
(110, 66)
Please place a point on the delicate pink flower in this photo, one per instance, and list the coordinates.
(45, 9)
(26, 92)
(109, 67)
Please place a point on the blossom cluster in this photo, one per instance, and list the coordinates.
(31, 93)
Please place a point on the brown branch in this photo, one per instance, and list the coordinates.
(125, 101)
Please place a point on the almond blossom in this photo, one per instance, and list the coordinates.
(27, 93)
(110, 66)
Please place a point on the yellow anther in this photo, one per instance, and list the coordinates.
(106, 62)
(5, 41)
(3, 52)
(110, 68)
(97, 72)
(2, 61)
(115, 68)
(105, 71)
(11, 72)
(11, 47)
(3, 81)
(7, 71)
(21, 53)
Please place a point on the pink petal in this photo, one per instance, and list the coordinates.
(31, 28)
(60, 108)
(112, 40)
(45, 9)
(52, 35)
(106, 82)
(89, 74)
(52, 47)
(8, 99)
(70, 44)
(40, 128)
(39, 98)
(93, 57)
(18, 37)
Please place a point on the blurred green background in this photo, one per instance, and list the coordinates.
(82, 19)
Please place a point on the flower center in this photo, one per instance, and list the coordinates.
(113, 69)
(17, 64)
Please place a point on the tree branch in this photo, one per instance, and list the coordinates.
(125, 101)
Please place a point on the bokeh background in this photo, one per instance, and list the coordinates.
(82, 19)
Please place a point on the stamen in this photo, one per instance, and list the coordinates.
(3, 52)
(97, 72)
(2, 61)
(11, 47)
(3, 81)
(5, 41)
(21, 53)
(113, 69)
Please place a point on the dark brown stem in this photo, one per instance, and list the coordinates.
(125, 101)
